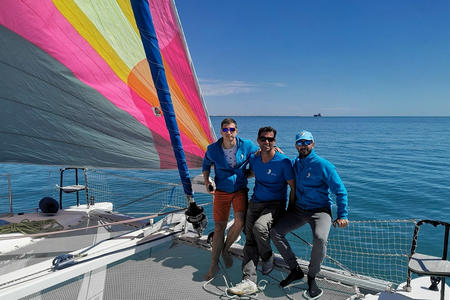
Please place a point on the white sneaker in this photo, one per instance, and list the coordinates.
(245, 287)
(267, 266)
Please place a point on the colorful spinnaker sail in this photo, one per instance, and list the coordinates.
(76, 88)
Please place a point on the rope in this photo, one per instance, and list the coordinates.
(143, 198)
(326, 255)
(136, 178)
(355, 293)
(32, 227)
(35, 235)
(262, 284)
(51, 230)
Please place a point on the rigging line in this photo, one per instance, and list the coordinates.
(143, 197)
(86, 260)
(326, 255)
(297, 288)
(385, 221)
(139, 243)
(118, 237)
(135, 178)
(35, 235)
(23, 279)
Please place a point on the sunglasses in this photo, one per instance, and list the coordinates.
(230, 129)
(263, 139)
(304, 143)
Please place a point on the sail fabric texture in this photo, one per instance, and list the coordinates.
(76, 87)
(144, 22)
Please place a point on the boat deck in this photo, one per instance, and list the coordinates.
(16, 254)
(171, 270)
(157, 266)
(176, 271)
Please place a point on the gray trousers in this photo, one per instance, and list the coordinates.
(319, 221)
(258, 221)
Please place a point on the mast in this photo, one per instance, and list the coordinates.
(146, 28)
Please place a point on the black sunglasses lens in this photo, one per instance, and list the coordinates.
(263, 139)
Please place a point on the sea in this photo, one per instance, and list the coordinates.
(394, 168)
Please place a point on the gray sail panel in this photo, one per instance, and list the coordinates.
(51, 119)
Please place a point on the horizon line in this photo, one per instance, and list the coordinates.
(331, 116)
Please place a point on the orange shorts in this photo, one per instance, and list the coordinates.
(223, 201)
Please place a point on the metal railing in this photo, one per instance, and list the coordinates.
(8, 176)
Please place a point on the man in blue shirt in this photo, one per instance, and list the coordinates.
(273, 171)
(229, 155)
(315, 177)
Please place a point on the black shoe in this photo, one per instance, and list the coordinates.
(313, 290)
(296, 274)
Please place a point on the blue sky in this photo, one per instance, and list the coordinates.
(339, 58)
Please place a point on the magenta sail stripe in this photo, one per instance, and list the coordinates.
(172, 49)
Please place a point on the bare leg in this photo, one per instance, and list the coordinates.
(217, 246)
(232, 236)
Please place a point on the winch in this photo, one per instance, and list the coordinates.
(196, 216)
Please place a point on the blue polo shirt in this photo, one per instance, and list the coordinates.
(315, 178)
(228, 179)
(271, 177)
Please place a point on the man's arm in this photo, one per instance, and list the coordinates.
(338, 188)
(291, 194)
(206, 170)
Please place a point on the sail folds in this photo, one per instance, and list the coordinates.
(76, 87)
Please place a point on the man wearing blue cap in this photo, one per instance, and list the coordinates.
(315, 177)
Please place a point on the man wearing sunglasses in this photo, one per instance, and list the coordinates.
(273, 172)
(315, 178)
(229, 155)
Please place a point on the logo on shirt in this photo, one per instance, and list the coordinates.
(269, 172)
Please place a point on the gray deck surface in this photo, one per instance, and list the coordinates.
(177, 272)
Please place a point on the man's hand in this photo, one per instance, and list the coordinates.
(278, 149)
(209, 187)
(341, 223)
(249, 173)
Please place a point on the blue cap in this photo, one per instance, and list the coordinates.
(304, 135)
